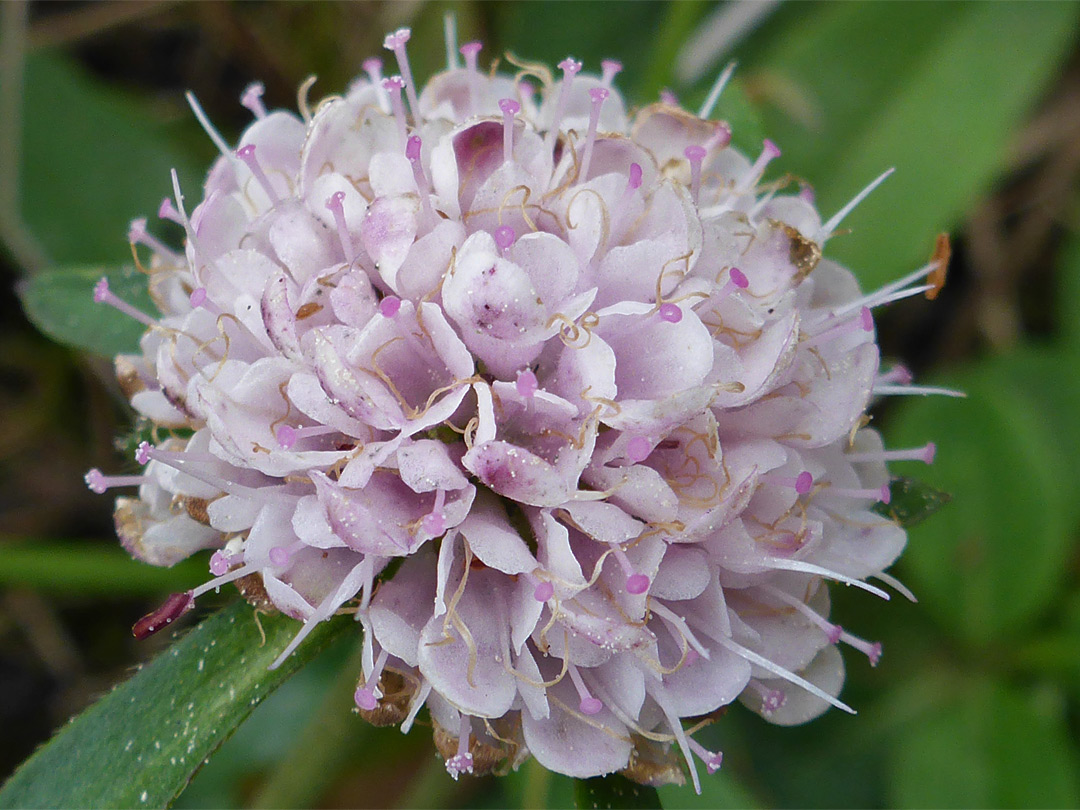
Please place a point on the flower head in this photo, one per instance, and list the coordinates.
(567, 403)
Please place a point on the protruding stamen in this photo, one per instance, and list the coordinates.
(392, 86)
(450, 34)
(412, 152)
(527, 384)
(168, 211)
(610, 68)
(829, 228)
(543, 590)
(769, 152)
(864, 322)
(462, 761)
(634, 179)
(138, 235)
(711, 759)
(186, 463)
(373, 69)
(801, 483)
(173, 608)
(434, 522)
(589, 705)
(636, 583)
(570, 68)
(287, 435)
(336, 206)
(364, 696)
(871, 650)
(737, 280)
(925, 454)
(280, 555)
(98, 482)
(389, 306)
(470, 50)
(638, 449)
(219, 563)
(247, 154)
(509, 108)
(396, 42)
(881, 493)
(717, 89)
(669, 98)
(103, 295)
(670, 312)
(598, 95)
(897, 374)
(831, 631)
(252, 99)
(696, 155)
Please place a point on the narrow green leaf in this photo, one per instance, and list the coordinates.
(911, 501)
(614, 791)
(85, 568)
(990, 746)
(997, 557)
(935, 89)
(140, 744)
(61, 304)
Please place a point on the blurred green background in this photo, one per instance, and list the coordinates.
(977, 700)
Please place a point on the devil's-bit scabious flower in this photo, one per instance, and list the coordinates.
(565, 403)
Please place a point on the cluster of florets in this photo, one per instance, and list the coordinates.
(564, 405)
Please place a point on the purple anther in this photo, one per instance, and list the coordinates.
(635, 175)
(168, 211)
(609, 69)
(637, 584)
(219, 563)
(669, 98)
(590, 706)
(365, 699)
(834, 632)
(396, 42)
(252, 99)
(389, 306)
(434, 523)
(692, 655)
(397, 39)
(543, 591)
(95, 480)
(885, 495)
(874, 653)
(247, 155)
(197, 297)
(469, 50)
(738, 278)
(806, 194)
(279, 556)
(504, 237)
(771, 700)
(526, 89)
(771, 149)
(373, 68)
(412, 148)
(510, 108)
(804, 482)
(101, 291)
(866, 320)
(569, 66)
(713, 763)
(929, 452)
(599, 95)
(142, 453)
(173, 608)
(392, 85)
(527, 384)
(720, 138)
(670, 312)
(286, 436)
(695, 153)
(638, 449)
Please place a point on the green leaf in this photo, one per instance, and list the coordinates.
(1068, 297)
(996, 558)
(614, 791)
(911, 501)
(935, 89)
(93, 159)
(990, 746)
(140, 744)
(61, 304)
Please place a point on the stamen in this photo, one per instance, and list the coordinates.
(173, 608)
(870, 650)
(925, 454)
(717, 89)
(220, 563)
(287, 435)
(669, 98)
(450, 33)
(832, 631)
(103, 295)
(589, 705)
(224, 579)
(865, 323)
(737, 280)
(184, 461)
(543, 590)
(670, 312)
(610, 68)
(208, 128)
(168, 211)
(874, 494)
(280, 555)
(598, 95)
(138, 235)
(527, 384)
(636, 583)
(915, 390)
(434, 522)
(462, 761)
(674, 619)
(412, 152)
(364, 696)
(509, 108)
(252, 99)
(469, 50)
(712, 760)
(769, 152)
(771, 699)
(336, 205)
(829, 228)
(802, 483)
(396, 42)
(696, 155)
(247, 154)
(897, 374)
(393, 87)
(570, 69)
(389, 306)
(199, 298)
(373, 69)
(99, 482)
(891, 292)
(638, 449)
